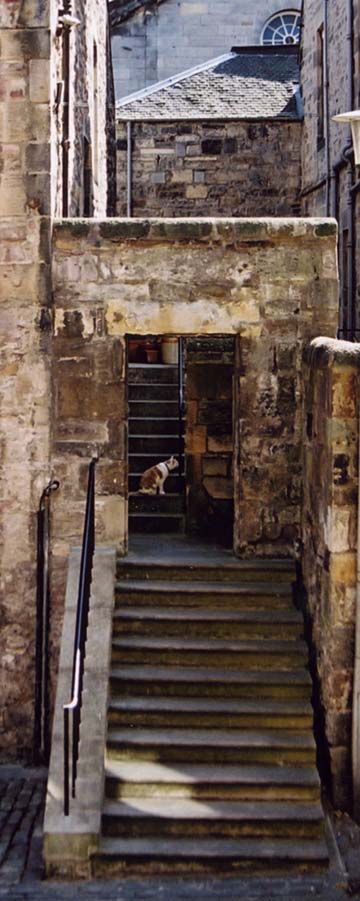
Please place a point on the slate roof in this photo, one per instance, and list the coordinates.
(250, 84)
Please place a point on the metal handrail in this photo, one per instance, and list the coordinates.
(180, 410)
(41, 740)
(82, 614)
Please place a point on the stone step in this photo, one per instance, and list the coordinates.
(186, 817)
(262, 654)
(224, 567)
(150, 856)
(160, 446)
(154, 426)
(148, 391)
(152, 373)
(126, 778)
(147, 409)
(216, 594)
(168, 711)
(159, 523)
(148, 503)
(206, 681)
(265, 746)
(208, 623)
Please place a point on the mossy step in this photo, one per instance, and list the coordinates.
(212, 745)
(184, 817)
(152, 373)
(153, 391)
(208, 622)
(156, 523)
(126, 778)
(159, 408)
(251, 654)
(216, 594)
(154, 425)
(148, 856)
(207, 681)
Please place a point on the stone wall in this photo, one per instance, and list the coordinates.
(339, 173)
(271, 282)
(209, 437)
(25, 326)
(331, 429)
(89, 104)
(162, 39)
(210, 168)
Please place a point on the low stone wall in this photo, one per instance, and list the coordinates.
(332, 383)
(221, 168)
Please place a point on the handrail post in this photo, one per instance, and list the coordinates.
(41, 737)
(82, 613)
(180, 410)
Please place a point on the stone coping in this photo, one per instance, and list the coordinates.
(332, 352)
(69, 841)
(217, 230)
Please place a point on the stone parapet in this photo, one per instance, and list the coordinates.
(329, 528)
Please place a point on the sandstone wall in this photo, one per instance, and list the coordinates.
(331, 430)
(210, 168)
(24, 370)
(163, 39)
(271, 282)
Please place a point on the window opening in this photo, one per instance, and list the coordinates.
(283, 28)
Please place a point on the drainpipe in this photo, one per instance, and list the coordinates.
(128, 171)
(326, 105)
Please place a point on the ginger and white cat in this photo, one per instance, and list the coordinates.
(153, 479)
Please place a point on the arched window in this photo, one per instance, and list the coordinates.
(282, 28)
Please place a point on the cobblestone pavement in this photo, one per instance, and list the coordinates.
(22, 794)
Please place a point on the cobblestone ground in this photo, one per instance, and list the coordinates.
(22, 795)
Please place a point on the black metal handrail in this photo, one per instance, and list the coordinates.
(41, 740)
(82, 614)
(180, 410)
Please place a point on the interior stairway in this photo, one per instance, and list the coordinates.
(210, 759)
(154, 437)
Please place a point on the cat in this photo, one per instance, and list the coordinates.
(153, 479)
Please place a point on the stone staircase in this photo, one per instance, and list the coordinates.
(210, 759)
(153, 437)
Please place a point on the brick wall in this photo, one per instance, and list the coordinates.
(210, 168)
(332, 380)
(164, 39)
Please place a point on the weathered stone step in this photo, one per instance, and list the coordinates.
(251, 654)
(207, 622)
(207, 681)
(213, 745)
(157, 445)
(154, 426)
(152, 373)
(148, 391)
(147, 409)
(126, 778)
(149, 711)
(216, 568)
(161, 523)
(227, 856)
(215, 594)
(184, 817)
(148, 503)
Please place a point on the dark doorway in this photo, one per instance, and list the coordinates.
(180, 392)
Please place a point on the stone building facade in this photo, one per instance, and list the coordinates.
(330, 85)
(224, 140)
(33, 99)
(153, 41)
